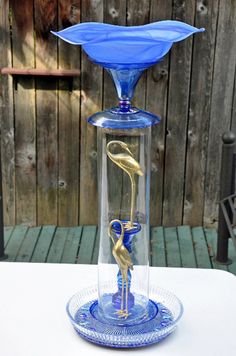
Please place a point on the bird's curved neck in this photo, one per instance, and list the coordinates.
(112, 155)
(121, 238)
(112, 143)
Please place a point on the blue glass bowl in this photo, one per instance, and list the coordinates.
(164, 312)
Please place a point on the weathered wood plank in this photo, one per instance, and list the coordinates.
(91, 82)
(81, 244)
(186, 247)
(8, 230)
(138, 14)
(87, 244)
(177, 118)
(15, 242)
(68, 125)
(114, 13)
(43, 244)
(157, 85)
(72, 245)
(221, 103)
(24, 106)
(199, 122)
(27, 248)
(172, 247)
(199, 111)
(158, 251)
(7, 118)
(96, 249)
(211, 238)
(200, 247)
(57, 246)
(47, 120)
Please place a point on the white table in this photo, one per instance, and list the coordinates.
(33, 321)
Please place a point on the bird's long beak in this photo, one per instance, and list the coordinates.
(127, 149)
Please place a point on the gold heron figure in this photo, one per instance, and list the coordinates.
(126, 161)
(124, 262)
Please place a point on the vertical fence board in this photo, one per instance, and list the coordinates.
(91, 102)
(7, 118)
(138, 14)
(114, 13)
(157, 84)
(221, 103)
(47, 126)
(178, 96)
(69, 129)
(199, 111)
(24, 104)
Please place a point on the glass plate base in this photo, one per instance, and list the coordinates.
(164, 311)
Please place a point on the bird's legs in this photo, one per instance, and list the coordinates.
(122, 294)
(126, 297)
(129, 224)
(123, 313)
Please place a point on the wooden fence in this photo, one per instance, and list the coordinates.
(48, 149)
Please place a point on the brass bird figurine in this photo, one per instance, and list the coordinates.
(124, 262)
(127, 163)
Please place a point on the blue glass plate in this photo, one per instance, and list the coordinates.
(164, 312)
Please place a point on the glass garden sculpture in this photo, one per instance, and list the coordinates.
(122, 311)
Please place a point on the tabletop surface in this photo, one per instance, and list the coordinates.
(34, 322)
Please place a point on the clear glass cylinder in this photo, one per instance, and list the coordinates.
(124, 184)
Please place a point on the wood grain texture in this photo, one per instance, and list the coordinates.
(221, 103)
(178, 101)
(157, 247)
(186, 247)
(69, 132)
(15, 242)
(25, 122)
(211, 238)
(26, 250)
(172, 247)
(79, 244)
(47, 125)
(8, 230)
(43, 244)
(199, 111)
(138, 14)
(96, 248)
(57, 246)
(91, 102)
(7, 118)
(156, 102)
(87, 242)
(114, 13)
(72, 245)
(49, 152)
(201, 248)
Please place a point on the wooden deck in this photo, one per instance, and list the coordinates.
(180, 246)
